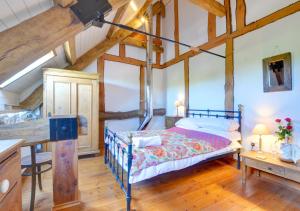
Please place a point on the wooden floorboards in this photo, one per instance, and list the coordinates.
(211, 187)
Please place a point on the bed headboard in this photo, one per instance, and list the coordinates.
(217, 114)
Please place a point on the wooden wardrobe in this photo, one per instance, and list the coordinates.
(75, 93)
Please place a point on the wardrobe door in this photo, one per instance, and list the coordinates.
(60, 97)
(75, 96)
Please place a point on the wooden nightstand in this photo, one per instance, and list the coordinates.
(270, 164)
(171, 120)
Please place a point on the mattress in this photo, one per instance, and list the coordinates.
(149, 171)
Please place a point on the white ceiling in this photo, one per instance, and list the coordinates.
(13, 12)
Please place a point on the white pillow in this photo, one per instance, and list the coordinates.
(187, 123)
(218, 124)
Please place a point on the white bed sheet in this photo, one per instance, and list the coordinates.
(169, 166)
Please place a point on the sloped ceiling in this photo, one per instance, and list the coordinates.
(13, 12)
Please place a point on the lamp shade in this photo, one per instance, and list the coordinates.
(261, 129)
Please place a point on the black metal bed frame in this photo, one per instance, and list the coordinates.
(118, 150)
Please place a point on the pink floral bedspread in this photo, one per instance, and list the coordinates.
(177, 143)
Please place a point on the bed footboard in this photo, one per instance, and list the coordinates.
(118, 157)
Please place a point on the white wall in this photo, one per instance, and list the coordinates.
(27, 92)
(207, 79)
(207, 74)
(174, 86)
(8, 98)
(249, 52)
(122, 89)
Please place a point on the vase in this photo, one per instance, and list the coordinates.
(285, 152)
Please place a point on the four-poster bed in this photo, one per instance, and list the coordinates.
(130, 164)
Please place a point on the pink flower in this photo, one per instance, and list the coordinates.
(278, 120)
(289, 127)
(288, 119)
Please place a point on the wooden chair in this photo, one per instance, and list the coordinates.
(35, 167)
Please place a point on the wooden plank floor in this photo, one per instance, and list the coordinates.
(213, 186)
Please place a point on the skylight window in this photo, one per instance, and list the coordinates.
(29, 68)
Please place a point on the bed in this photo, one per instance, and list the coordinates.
(195, 139)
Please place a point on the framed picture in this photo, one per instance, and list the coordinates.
(277, 73)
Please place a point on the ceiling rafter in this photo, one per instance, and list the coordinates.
(105, 45)
(118, 17)
(141, 44)
(212, 6)
(70, 50)
(37, 36)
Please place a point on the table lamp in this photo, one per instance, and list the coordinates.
(178, 103)
(260, 129)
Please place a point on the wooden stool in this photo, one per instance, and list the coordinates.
(35, 161)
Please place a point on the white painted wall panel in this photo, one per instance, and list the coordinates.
(257, 9)
(159, 89)
(8, 98)
(168, 31)
(92, 68)
(250, 50)
(136, 53)
(114, 50)
(192, 24)
(207, 79)
(122, 87)
(174, 86)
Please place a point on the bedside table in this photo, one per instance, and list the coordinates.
(171, 120)
(270, 164)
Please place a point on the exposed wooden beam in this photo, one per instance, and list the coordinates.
(129, 114)
(33, 101)
(229, 65)
(227, 5)
(142, 92)
(186, 83)
(176, 28)
(105, 45)
(26, 42)
(207, 46)
(100, 70)
(158, 32)
(70, 50)
(141, 44)
(229, 76)
(211, 6)
(122, 50)
(211, 26)
(240, 14)
(127, 60)
(282, 13)
(159, 8)
(23, 44)
(64, 3)
(119, 15)
(143, 38)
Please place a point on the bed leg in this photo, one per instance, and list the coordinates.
(128, 203)
(238, 160)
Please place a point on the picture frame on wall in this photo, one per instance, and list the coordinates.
(277, 73)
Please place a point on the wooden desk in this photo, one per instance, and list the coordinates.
(271, 164)
(10, 175)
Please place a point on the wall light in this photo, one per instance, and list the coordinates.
(29, 68)
(143, 19)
